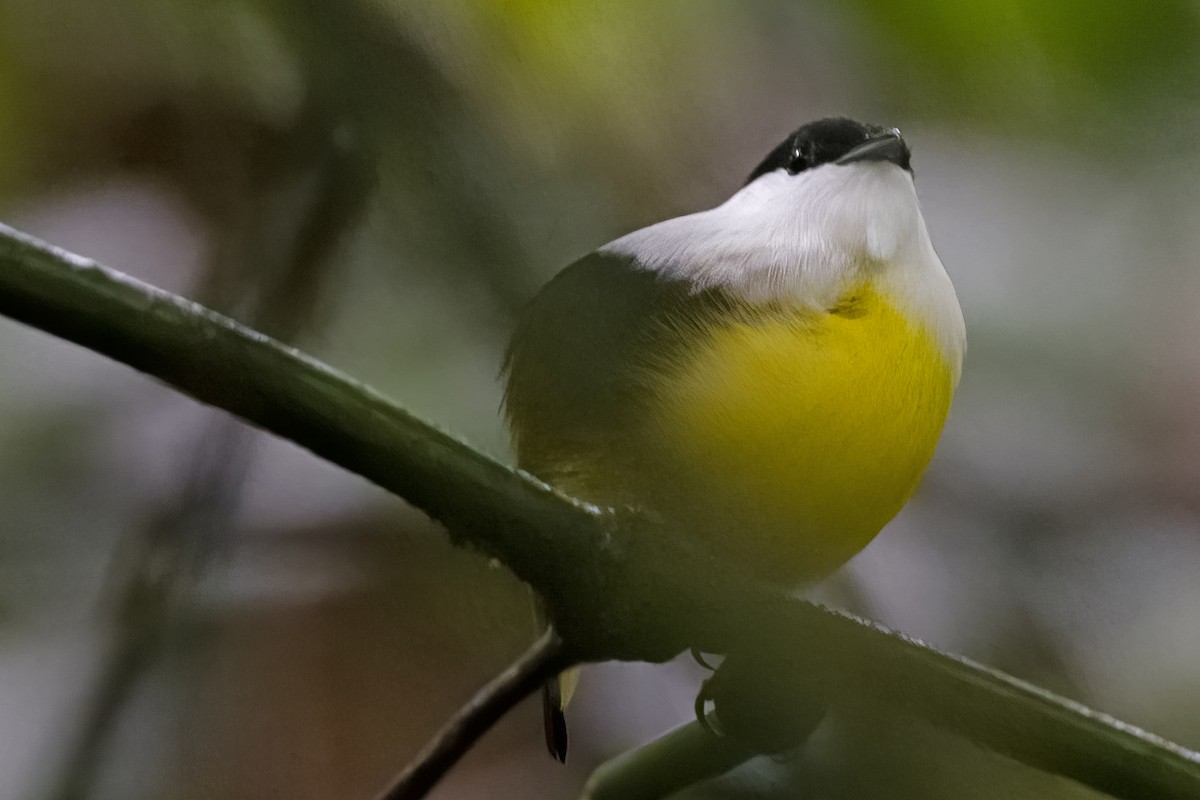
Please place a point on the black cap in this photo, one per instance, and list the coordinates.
(836, 140)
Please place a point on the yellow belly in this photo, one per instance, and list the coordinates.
(792, 438)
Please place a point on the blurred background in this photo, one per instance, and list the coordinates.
(189, 609)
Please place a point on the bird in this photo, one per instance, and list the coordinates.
(771, 375)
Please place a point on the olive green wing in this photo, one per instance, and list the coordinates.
(581, 368)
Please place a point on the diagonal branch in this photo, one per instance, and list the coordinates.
(617, 587)
(524, 676)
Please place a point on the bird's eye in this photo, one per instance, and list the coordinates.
(797, 162)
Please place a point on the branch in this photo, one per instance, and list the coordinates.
(541, 662)
(219, 362)
(672, 762)
(617, 586)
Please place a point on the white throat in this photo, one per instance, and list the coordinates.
(805, 239)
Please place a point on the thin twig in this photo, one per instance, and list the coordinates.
(543, 660)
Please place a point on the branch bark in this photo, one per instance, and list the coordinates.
(617, 586)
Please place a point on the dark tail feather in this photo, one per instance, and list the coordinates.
(554, 721)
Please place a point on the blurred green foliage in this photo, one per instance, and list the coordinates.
(1079, 71)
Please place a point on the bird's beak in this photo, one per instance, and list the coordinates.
(889, 146)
